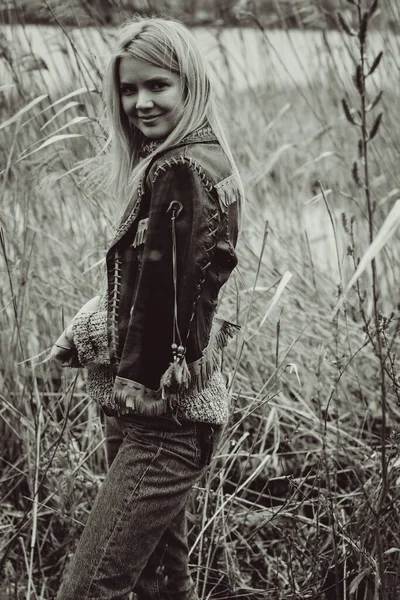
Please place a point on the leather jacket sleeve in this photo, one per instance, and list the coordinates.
(147, 350)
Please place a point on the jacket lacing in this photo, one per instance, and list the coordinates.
(165, 274)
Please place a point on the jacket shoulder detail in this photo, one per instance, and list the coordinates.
(183, 160)
(227, 191)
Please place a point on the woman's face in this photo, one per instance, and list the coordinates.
(151, 97)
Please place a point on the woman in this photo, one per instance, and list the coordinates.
(152, 342)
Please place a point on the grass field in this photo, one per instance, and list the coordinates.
(302, 499)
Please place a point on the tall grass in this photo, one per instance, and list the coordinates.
(302, 498)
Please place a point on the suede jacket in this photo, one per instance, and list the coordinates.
(174, 250)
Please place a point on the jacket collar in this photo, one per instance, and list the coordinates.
(202, 134)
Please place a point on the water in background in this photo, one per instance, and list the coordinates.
(49, 61)
(238, 57)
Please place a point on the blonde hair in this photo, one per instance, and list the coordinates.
(167, 44)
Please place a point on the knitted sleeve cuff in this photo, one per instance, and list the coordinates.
(90, 338)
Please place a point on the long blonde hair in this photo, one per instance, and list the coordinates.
(167, 44)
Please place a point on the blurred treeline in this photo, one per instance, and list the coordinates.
(267, 13)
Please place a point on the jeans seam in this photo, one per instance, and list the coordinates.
(130, 497)
(196, 445)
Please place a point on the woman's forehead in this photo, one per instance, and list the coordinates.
(135, 70)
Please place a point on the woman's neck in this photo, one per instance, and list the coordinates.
(150, 146)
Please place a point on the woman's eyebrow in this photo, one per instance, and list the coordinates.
(158, 78)
(151, 80)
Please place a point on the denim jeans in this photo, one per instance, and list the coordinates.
(136, 538)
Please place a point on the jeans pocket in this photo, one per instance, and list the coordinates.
(207, 438)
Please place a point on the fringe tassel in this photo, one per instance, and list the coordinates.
(227, 191)
(224, 332)
(140, 233)
(175, 379)
(202, 370)
(131, 397)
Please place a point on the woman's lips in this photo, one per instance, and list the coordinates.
(150, 118)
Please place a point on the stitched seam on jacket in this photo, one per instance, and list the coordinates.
(115, 307)
(212, 232)
(227, 237)
(181, 160)
(124, 226)
(120, 232)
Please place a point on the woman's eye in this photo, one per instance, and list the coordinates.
(126, 90)
(157, 86)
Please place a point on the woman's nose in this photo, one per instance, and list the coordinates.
(143, 100)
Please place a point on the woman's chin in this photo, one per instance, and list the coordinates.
(153, 135)
(154, 131)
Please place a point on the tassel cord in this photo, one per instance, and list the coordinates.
(177, 372)
(176, 333)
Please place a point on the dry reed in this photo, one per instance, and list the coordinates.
(302, 498)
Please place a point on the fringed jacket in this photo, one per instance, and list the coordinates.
(174, 250)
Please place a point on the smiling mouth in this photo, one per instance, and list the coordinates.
(149, 118)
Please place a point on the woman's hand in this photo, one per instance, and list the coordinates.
(64, 349)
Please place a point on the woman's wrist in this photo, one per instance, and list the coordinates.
(69, 334)
(91, 305)
(64, 347)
